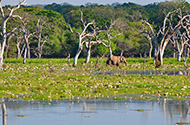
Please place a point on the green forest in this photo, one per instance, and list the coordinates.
(56, 21)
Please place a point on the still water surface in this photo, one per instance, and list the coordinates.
(97, 113)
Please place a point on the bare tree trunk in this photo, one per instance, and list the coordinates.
(88, 55)
(24, 59)
(150, 52)
(121, 54)
(109, 44)
(7, 46)
(4, 113)
(167, 31)
(179, 57)
(39, 55)
(18, 52)
(77, 55)
(40, 41)
(156, 50)
(4, 24)
(188, 52)
(110, 51)
(28, 47)
(68, 58)
(174, 51)
(82, 36)
(150, 44)
(180, 53)
(161, 57)
(26, 38)
(3, 44)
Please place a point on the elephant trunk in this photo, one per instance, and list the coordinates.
(126, 62)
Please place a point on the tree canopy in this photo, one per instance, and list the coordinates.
(61, 41)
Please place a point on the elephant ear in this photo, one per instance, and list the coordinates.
(122, 59)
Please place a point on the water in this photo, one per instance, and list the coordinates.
(148, 72)
(97, 113)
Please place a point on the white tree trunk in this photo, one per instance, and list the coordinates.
(27, 45)
(174, 51)
(24, 59)
(2, 47)
(187, 52)
(39, 55)
(1, 58)
(179, 57)
(161, 56)
(180, 51)
(77, 54)
(150, 52)
(4, 22)
(88, 55)
(40, 41)
(150, 44)
(109, 45)
(18, 52)
(4, 113)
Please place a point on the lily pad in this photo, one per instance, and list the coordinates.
(183, 123)
(140, 110)
(21, 115)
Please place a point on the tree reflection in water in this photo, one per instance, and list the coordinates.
(97, 112)
(176, 108)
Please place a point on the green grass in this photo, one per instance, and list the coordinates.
(34, 81)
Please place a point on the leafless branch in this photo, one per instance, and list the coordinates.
(70, 28)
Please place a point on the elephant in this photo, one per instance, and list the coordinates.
(116, 60)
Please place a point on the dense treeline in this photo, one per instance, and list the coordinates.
(62, 42)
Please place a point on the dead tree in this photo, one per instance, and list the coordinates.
(89, 42)
(41, 41)
(165, 32)
(185, 22)
(82, 35)
(24, 57)
(149, 38)
(20, 45)
(68, 58)
(180, 40)
(88, 46)
(152, 37)
(4, 113)
(4, 27)
(26, 36)
(11, 35)
(109, 35)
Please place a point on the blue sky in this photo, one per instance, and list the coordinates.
(80, 2)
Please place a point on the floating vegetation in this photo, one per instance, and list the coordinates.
(140, 110)
(34, 81)
(22, 116)
(183, 123)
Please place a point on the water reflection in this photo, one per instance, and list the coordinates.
(97, 112)
(175, 109)
(4, 113)
(147, 72)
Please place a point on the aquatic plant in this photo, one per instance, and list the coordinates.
(34, 81)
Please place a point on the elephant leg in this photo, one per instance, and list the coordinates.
(109, 62)
(117, 64)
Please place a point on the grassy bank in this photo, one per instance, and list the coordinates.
(39, 80)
